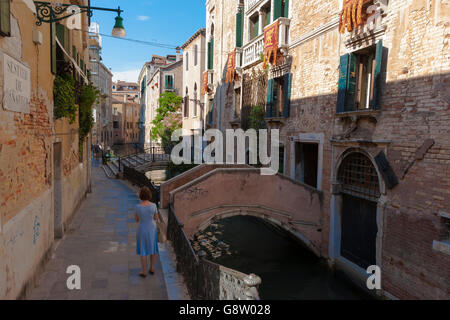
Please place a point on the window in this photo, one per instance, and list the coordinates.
(266, 15)
(195, 100)
(445, 231)
(237, 103)
(187, 61)
(306, 163)
(186, 104)
(5, 18)
(169, 82)
(211, 54)
(195, 54)
(239, 28)
(281, 9)
(278, 97)
(254, 26)
(143, 84)
(116, 124)
(360, 79)
(211, 112)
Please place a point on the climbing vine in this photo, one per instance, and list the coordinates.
(88, 96)
(65, 97)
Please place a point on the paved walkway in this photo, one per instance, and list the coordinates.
(101, 240)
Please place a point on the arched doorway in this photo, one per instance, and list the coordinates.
(360, 191)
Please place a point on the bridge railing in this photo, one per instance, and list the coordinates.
(206, 280)
(140, 179)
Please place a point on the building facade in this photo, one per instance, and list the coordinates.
(101, 76)
(362, 109)
(147, 114)
(194, 67)
(126, 111)
(45, 167)
(165, 78)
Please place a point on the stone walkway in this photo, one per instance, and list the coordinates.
(101, 240)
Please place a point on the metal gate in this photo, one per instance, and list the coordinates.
(361, 192)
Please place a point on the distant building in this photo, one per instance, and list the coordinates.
(160, 75)
(101, 76)
(194, 65)
(126, 111)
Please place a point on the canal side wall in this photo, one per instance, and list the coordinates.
(223, 193)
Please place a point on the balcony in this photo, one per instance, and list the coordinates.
(252, 51)
(251, 4)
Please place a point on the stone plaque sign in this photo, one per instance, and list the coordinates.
(16, 85)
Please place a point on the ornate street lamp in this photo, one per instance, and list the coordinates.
(49, 12)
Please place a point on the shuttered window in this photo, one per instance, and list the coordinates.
(281, 9)
(239, 28)
(360, 80)
(278, 102)
(211, 54)
(53, 47)
(5, 18)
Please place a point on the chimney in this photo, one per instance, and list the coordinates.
(178, 54)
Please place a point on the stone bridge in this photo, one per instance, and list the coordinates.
(207, 193)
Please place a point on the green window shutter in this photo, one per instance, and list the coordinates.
(66, 43)
(166, 79)
(53, 47)
(269, 104)
(342, 88)
(256, 28)
(74, 53)
(351, 84)
(287, 94)
(239, 28)
(5, 18)
(286, 9)
(377, 76)
(211, 54)
(278, 5)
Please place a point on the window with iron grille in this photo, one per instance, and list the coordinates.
(359, 177)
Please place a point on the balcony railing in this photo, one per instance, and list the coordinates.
(250, 4)
(252, 51)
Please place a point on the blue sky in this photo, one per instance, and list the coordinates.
(163, 21)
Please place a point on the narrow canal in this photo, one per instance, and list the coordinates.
(288, 270)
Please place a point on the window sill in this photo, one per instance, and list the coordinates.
(359, 113)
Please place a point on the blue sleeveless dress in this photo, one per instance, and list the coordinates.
(147, 233)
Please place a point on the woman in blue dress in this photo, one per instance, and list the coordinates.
(147, 233)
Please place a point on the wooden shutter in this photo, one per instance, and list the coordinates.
(377, 76)
(351, 84)
(239, 28)
(342, 88)
(287, 94)
(278, 5)
(211, 54)
(5, 18)
(286, 9)
(267, 18)
(166, 80)
(269, 104)
(256, 28)
(53, 47)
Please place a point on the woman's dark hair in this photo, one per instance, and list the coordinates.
(145, 194)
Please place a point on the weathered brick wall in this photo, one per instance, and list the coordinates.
(414, 107)
(26, 159)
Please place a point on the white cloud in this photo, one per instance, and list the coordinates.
(129, 76)
(143, 18)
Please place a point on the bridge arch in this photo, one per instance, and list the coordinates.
(288, 204)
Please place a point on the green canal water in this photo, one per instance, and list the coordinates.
(288, 270)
